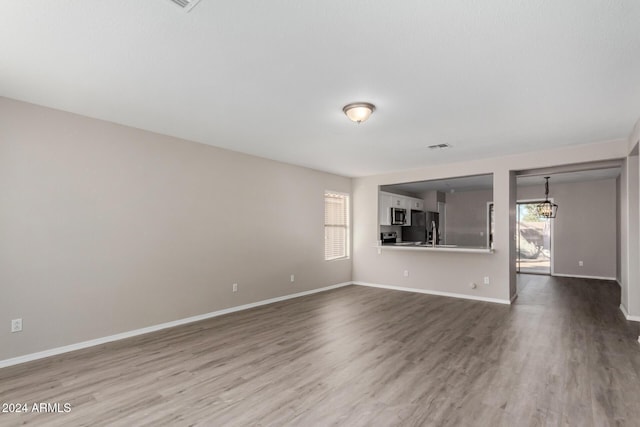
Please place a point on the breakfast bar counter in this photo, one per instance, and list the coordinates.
(413, 246)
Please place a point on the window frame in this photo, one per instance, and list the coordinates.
(347, 226)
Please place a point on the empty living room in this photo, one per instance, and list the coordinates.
(352, 213)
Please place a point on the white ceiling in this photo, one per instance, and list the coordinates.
(270, 77)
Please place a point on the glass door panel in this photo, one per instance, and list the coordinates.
(533, 242)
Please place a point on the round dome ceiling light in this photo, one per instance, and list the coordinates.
(359, 111)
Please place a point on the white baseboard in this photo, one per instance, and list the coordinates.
(623, 309)
(129, 334)
(429, 292)
(627, 316)
(576, 276)
(514, 297)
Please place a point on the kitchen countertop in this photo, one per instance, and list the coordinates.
(412, 246)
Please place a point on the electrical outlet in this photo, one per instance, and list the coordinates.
(234, 288)
(486, 280)
(293, 278)
(16, 325)
(580, 264)
(406, 273)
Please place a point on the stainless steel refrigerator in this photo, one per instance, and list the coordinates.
(420, 229)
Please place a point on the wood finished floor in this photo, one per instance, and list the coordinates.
(561, 355)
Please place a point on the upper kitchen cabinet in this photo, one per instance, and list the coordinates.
(395, 209)
(416, 204)
(385, 203)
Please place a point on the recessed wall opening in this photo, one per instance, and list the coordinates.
(448, 212)
(583, 239)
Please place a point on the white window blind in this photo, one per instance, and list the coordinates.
(336, 225)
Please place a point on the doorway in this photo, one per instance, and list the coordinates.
(533, 239)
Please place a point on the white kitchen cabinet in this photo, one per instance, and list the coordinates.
(412, 204)
(385, 202)
(416, 204)
(398, 201)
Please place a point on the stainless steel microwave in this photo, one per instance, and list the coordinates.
(398, 216)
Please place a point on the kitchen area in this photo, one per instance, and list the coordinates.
(450, 215)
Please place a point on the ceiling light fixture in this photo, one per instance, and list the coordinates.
(359, 111)
(547, 209)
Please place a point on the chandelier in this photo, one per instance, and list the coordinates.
(547, 209)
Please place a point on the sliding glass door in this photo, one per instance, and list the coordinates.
(533, 240)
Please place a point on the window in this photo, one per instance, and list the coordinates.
(336, 225)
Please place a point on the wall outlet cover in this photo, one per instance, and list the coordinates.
(16, 325)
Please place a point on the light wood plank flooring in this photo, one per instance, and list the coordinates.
(561, 355)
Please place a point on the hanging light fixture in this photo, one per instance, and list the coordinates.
(359, 111)
(547, 209)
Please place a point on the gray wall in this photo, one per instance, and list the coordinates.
(632, 291)
(431, 199)
(585, 228)
(624, 237)
(106, 228)
(619, 219)
(466, 222)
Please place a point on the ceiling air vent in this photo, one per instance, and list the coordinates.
(439, 146)
(186, 5)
